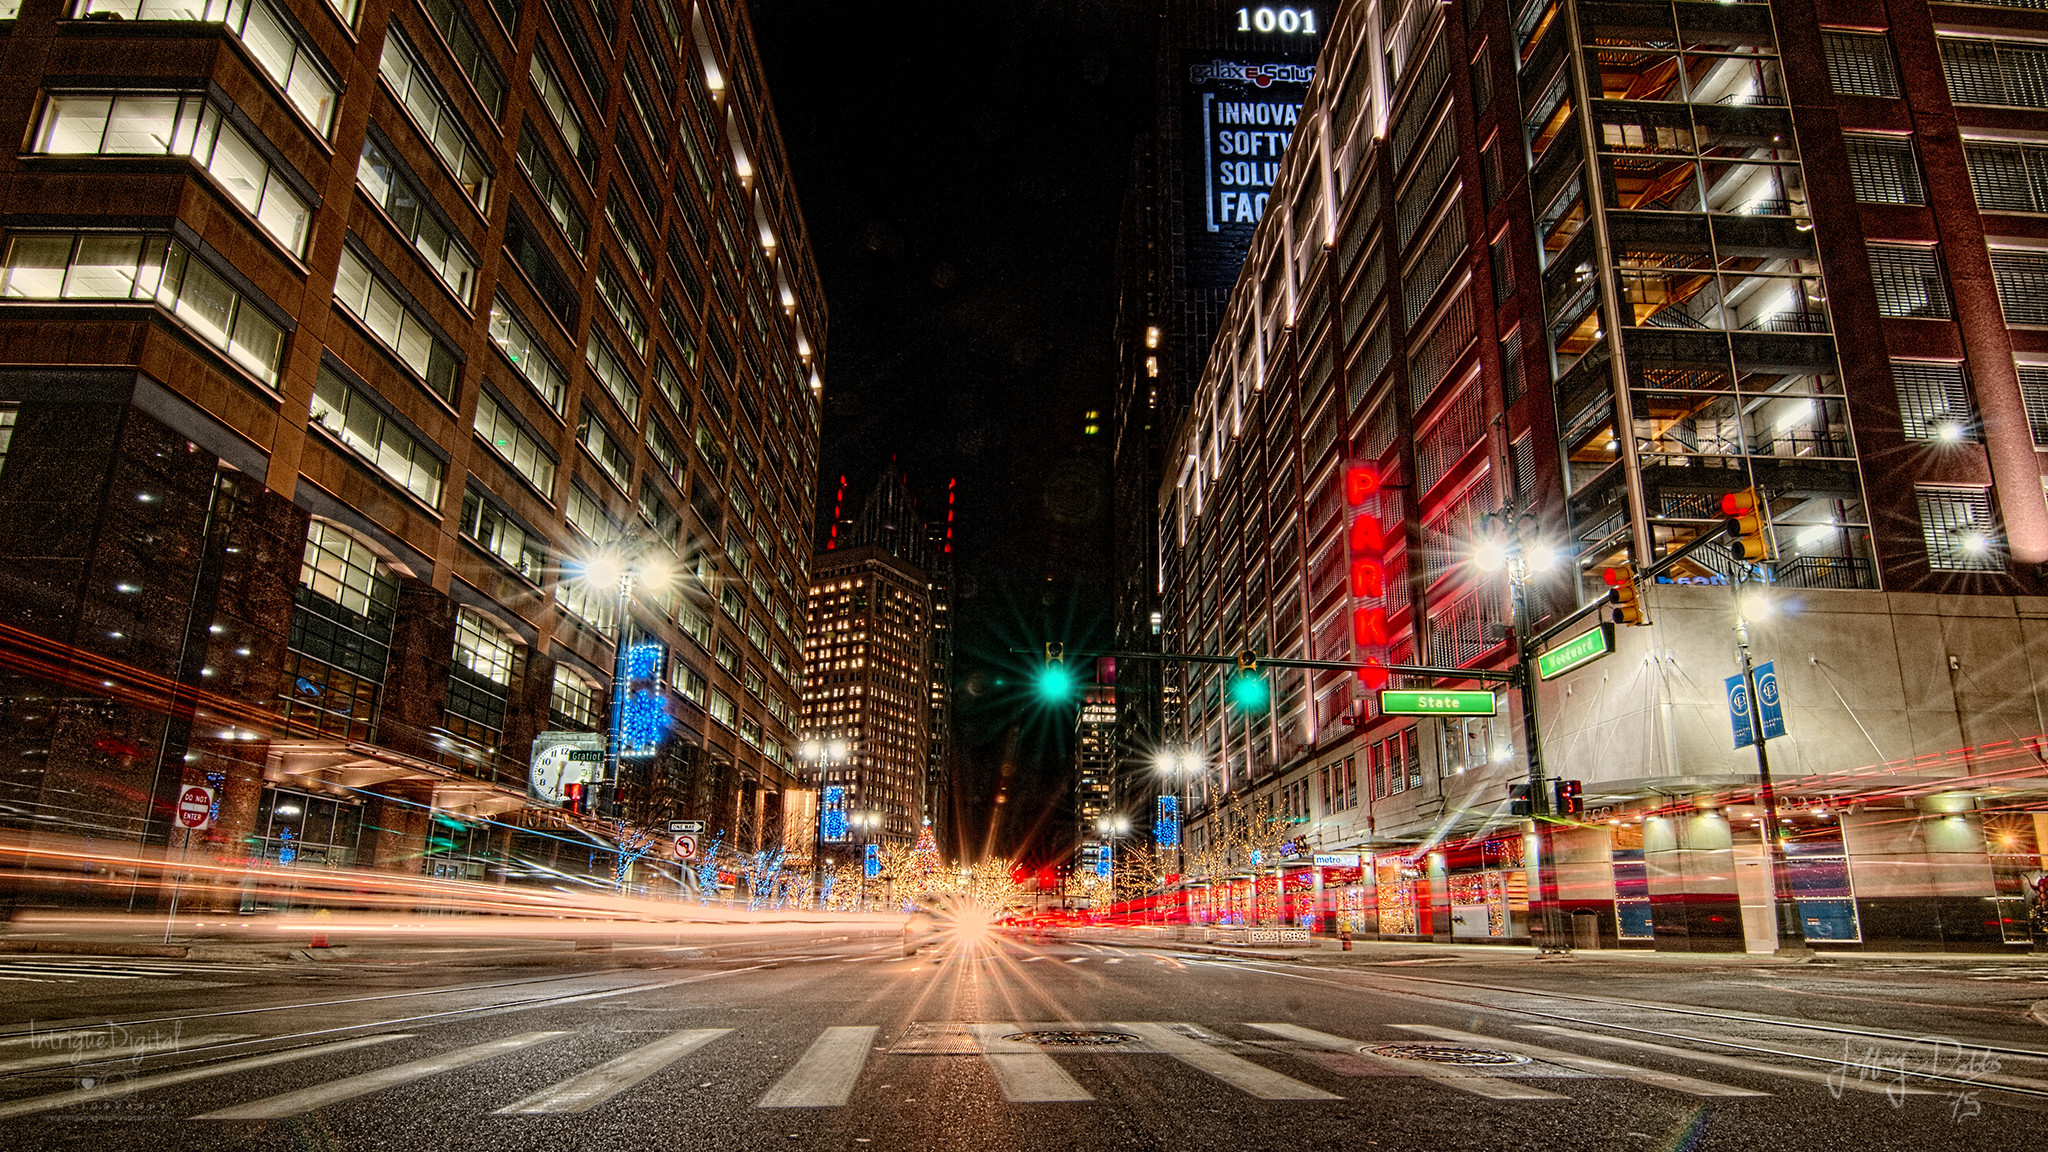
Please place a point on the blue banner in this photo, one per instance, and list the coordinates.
(1738, 712)
(1166, 827)
(874, 861)
(832, 815)
(1769, 713)
(1102, 862)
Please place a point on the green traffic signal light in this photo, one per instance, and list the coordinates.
(1055, 684)
(1250, 692)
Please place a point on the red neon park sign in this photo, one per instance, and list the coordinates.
(1365, 563)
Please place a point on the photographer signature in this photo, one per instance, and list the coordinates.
(1935, 1058)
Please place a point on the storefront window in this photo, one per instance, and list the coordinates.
(301, 830)
(1631, 883)
(1396, 880)
(1820, 878)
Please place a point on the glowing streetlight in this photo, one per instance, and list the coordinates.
(620, 567)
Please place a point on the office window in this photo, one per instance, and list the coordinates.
(1957, 526)
(1909, 280)
(597, 607)
(547, 84)
(613, 373)
(1934, 401)
(721, 708)
(612, 291)
(2022, 278)
(2034, 391)
(1884, 170)
(662, 447)
(276, 42)
(510, 439)
(345, 570)
(1995, 71)
(695, 623)
(670, 384)
(553, 190)
(486, 525)
(467, 47)
(1860, 64)
(586, 515)
(689, 684)
(391, 187)
(434, 113)
(366, 296)
(482, 649)
(573, 700)
(732, 602)
(610, 455)
(352, 418)
(2008, 177)
(153, 124)
(524, 351)
(9, 413)
(117, 266)
(620, 218)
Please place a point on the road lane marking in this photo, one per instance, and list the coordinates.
(125, 1088)
(1252, 1079)
(1026, 1073)
(1826, 1079)
(825, 1075)
(86, 1056)
(1032, 959)
(350, 1087)
(1077, 959)
(1593, 1064)
(1449, 1075)
(587, 1091)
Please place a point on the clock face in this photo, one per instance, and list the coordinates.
(549, 767)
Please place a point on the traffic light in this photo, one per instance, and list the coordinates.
(1248, 689)
(1746, 524)
(1518, 800)
(1566, 799)
(1055, 681)
(573, 798)
(1628, 608)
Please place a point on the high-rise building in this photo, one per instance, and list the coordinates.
(1575, 271)
(889, 520)
(1227, 86)
(867, 682)
(338, 337)
(1094, 738)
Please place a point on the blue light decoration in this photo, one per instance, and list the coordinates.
(286, 851)
(1102, 862)
(832, 817)
(643, 661)
(641, 729)
(873, 867)
(1166, 826)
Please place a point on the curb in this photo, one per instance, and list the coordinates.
(81, 948)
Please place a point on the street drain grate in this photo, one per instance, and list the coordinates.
(1461, 1054)
(1077, 1038)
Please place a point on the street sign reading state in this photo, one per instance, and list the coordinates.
(1434, 702)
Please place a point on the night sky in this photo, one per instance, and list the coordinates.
(960, 168)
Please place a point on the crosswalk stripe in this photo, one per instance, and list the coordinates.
(350, 1087)
(84, 1054)
(75, 973)
(122, 1088)
(825, 1075)
(1033, 959)
(1449, 1075)
(587, 1091)
(1236, 1071)
(1593, 1064)
(1788, 1071)
(1025, 1072)
(1076, 959)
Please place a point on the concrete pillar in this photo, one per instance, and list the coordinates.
(1691, 864)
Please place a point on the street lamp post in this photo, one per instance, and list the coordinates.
(1179, 764)
(1791, 929)
(822, 754)
(1112, 825)
(1512, 542)
(625, 564)
(866, 821)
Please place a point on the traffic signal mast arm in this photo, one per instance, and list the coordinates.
(1233, 658)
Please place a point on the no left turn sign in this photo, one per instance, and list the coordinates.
(686, 847)
(195, 808)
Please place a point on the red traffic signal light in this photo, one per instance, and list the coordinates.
(573, 797)
(1622, 579)
(1746, 524)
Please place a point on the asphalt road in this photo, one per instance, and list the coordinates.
(1020, 1045)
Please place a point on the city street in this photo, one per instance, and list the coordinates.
(1015, 1043)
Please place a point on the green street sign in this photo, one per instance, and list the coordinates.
(1426, 702)
(587, 755)
(1584, 648)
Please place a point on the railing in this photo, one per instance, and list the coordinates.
(1789, 322)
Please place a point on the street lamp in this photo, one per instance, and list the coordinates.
(822, 754)
(865, 821)
(1111, 825)
(1181, 764)
(1514, 543)
(621, 566)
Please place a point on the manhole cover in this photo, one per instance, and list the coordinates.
(1080, 1038)
(1446, 1054)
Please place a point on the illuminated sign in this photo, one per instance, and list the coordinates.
(1102, 861)
(873, 866)
(643, 719)
(832, 819)
(1238, 113)
(1365, 563)
(1286, 21)
(1166, 826)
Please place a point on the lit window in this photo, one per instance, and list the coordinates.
(272, 37)
(485, 524)
(418, 219)
(366, 296)
(524, 351)
(573, 700)
(347, 414)
(510, 440)
(345, 570)
(435, 115)
(608, 452)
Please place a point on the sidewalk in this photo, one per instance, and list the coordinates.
(1366, 953)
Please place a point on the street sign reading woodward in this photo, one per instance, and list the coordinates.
(1578, 651)
(1425, 702)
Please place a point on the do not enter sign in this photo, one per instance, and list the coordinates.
(195, 807)
(686, 847)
